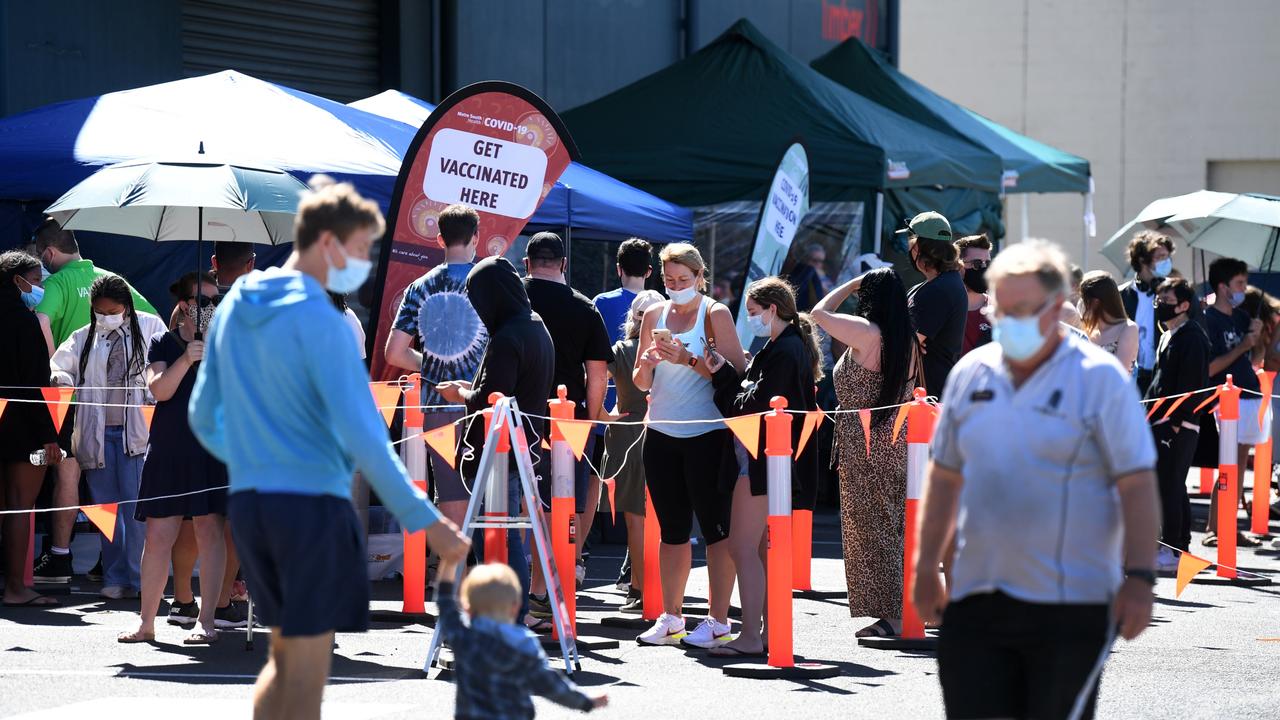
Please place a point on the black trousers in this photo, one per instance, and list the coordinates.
(1144, 378)
(1004, 658)
(1174, 453)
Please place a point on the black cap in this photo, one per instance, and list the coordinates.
(545, 246)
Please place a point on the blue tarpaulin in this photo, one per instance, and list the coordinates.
(46, 151)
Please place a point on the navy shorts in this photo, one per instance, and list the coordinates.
(304, 559)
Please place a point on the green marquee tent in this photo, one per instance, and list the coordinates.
(1029, 166)
(710, 129)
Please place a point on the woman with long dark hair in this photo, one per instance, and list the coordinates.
(789, 366)
(177, 465)
(106, 360)
(1103, 318)
(878, 370)
(25, 427)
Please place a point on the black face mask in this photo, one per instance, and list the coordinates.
(1166, 312)
(976, 279)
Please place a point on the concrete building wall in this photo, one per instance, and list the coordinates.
(1163, 97)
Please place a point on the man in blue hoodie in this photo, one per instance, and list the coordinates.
(283, 399)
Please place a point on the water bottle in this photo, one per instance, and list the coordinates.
(38, 458)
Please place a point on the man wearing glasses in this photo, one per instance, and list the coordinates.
(975, 256)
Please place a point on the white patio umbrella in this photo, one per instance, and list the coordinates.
(1245, 226)
(1154, 217)
(169, 200)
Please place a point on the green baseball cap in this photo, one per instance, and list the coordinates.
(929, 226)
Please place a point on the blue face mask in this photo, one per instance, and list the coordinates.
(1237, 298)
(350, 278)
(757, 325)
(1020, 337)
(31, 298)
(1163, 268)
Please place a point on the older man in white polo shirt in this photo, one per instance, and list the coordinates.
(1043, 465)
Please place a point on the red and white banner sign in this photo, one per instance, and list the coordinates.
(494, 146)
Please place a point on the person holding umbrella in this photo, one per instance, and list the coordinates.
(283, 399)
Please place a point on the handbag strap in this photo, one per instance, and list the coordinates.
(707, 327)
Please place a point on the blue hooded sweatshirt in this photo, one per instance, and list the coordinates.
(283, 399)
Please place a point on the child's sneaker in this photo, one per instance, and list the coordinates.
(707, 635)
(666, 631)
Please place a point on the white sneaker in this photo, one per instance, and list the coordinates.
(666, 631)
(1166, 561)
(707, 635)
(117, 592)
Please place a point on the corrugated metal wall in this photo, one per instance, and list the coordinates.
(326, 47)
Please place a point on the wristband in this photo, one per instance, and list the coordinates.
(1145, 575)
(693, 360)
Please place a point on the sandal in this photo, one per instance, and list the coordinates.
(35, 601)
(880, 628)
(1247, 541)
(725, 651)
(1210, 540)
(201, 637)
(540, 626)
(129, 638)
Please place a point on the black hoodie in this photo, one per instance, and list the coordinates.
(520, 359)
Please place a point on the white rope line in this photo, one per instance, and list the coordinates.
(1238, 570)
(118, 502)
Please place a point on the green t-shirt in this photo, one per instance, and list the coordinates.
(66, 298)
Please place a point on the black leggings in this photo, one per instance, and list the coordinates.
(682, 474)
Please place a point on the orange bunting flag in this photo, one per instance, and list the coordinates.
(546, 445)
(444, 440)
(865, 416)
(747, 429)
(821, 416)
(611, 485)
(1265, 380)
(811, 420)
(3, 404)
(576, 433)
(1208, 400)
(898, 421)
(56, 399)
(1188, 567)
(103, 517)
(1174, 406)
(1154, 407)
(385, 397)
(148, 412)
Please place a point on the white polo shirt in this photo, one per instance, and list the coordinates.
(1039, 514)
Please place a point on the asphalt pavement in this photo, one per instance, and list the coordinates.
(1213, 653)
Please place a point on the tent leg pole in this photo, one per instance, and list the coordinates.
(1084, 221)
(1025, 220)
(877, 229)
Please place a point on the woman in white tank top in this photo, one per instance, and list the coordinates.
(684, 442)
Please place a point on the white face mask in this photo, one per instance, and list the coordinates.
(759, 326)
(109, 322)
(681, 297)
(347, 279)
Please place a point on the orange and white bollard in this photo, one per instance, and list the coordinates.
(413, 452)
(777, 451)
(563, 526)
(919, 436)
(1228, 477)
(496, 505)
(1206, 480)
(1262, 456)
(651, 591)
(781, 661)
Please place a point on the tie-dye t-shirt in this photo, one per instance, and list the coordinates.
(437, 312)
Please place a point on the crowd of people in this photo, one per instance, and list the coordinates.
(1013, 339)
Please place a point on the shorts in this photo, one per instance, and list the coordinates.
(1248, 430)
(744, 461)
(1002, 657)
(447, 481)
(304, 556)
(580, 476)
(682, 475)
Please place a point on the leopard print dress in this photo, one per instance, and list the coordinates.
(873, 492)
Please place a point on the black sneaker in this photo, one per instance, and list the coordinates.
(539, 607)
(95, 575)
(634, 604)
(624, 575)
(231, 616)
(184, 614)
(50, 568)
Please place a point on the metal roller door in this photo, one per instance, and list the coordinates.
(326, 47)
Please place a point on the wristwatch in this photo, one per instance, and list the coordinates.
(693, 360)
(1143, 574)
